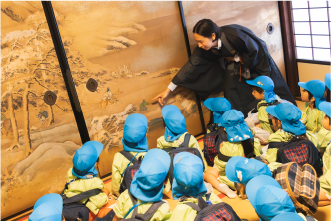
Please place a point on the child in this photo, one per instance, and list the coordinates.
(48, 207)
(269, 199)
(218, 106)
(325, 179)
(313, 95)
(239, 144)
(83, 176)
(134, 141)
(188, 184)
(262, 89)
(175, 130)
(287, 124)
(147, 186)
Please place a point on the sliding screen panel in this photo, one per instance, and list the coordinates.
(255, 15)
(131, 51)
(38, 139)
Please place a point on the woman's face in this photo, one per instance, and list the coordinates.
(205, 43)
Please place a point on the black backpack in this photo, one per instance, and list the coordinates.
(211, 143)
(213, 212)
(173, 151)
(299, 151)
(130, 171)
(73, 211)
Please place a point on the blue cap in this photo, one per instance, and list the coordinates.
(47, 208)
(288, 217)
(268, 198)
(134, 134)
(326, 108)
(235, 126)
(174, 121)
(267, 85)
(188, 176)
(241, 169)
(316, 88)
(327, 80)
(148, 183)
(85, 159)
(218, 105)
(290, 116)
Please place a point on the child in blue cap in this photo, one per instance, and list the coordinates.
(134, 141)
(325, 179)
(269, 199)
(147, 187)
(287, 124)
(48, 207)
(327, 80)
(83, 176)
(175, 130)
(218, 106)
(312, 117)
(187, 185)
(239, 144)
(262, 88)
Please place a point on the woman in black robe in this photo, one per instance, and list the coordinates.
(224, 58)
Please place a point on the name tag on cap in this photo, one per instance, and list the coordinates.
(89, 176)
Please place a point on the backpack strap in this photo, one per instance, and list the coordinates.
(150, 212)
(227, 45)
(276, 144)
(186, 140)
(223, 157)
(202, 203)
(81, 196)
(133, 160)
(129, 156)
(275, 102)
(193, 206)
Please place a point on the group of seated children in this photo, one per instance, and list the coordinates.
(187, 174)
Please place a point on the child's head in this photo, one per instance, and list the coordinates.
(313, 91)
(326, 108)
(148, 183)
(188, 176)
(290, 116)
(134, 134)
(85, 160)
(268, 198)
(174, 121)
(242, 170)
(48, 207)
(219, 106)
(327, 80)
(263, 88)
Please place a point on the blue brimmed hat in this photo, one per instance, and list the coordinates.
(219, 106)
(268, 198)
(326, 108)
(241, 169)
(288, 217)
(85, 159)
(148, 183)
(134, 134)
(316, 88)
(327, 80)
(267, 85)
(290, 116)
(174, 121)
(235, 126)
(188, 176)
(47, 208)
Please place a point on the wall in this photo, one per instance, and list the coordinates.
(309, 71)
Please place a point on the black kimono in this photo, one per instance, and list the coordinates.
(207, 71)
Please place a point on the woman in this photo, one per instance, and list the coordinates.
(225, 57)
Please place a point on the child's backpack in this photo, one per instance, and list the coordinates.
(72, 210)
(213, 212)
(130, 171)
(301, 184)
(299, 151)
(172, 151)
(211, 144)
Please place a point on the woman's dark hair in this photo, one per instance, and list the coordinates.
(206, 28)
(248, 146)
(258, 89)
(327, 94)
